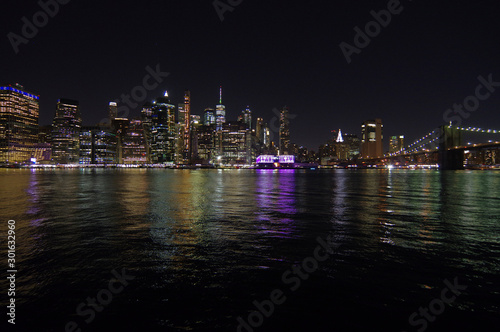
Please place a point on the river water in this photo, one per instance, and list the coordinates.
(200, 250)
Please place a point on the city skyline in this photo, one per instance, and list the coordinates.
(265, 55)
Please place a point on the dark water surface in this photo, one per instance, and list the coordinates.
(203, 245)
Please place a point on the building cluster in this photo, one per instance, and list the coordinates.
(349, 148)
(164, 134)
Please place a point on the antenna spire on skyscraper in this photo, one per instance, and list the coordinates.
(220, 95)
(340, 139)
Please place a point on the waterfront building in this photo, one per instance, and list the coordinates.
(66, 128)
(98, 145)
(19, 112)
(220, 113)
(134, 144)
(233, 144)
(396, 143)
(284, 131)
(209, 116)
(371, 139)
(160, 130)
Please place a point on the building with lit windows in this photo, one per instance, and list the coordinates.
(112, 111)
(160, 130)
(119, 127)
(98, 145)
(246, 117)
(183, 130)
(259, 130)
(220, 113)
(284, 131)
(66, 132)
(204, 145)
(209, 117)
(233, 144)
(396, 143)
(371, 139)
(19, 111)
(134, 144)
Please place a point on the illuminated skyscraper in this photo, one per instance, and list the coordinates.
(98, 145)
(259, 130)
(66, 128)
(233, 143)
(119, 127)
(113, 111)
(220, 113)
(19, 112)
(209, 117)
(284, 134)
(184, 130)
(134, 144)
(247, 117)
(371, 139)
(396, 143)
(160, 130)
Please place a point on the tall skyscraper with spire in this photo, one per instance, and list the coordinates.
(220, 113)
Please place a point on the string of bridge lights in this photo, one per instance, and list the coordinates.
(479, 130)
(416, 147)
(423, 138)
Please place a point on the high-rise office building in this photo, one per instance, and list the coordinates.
(209, 116)
(119, 127)
(113, 111)
(353, 142)
(66, 128)
(134, 144)
(220, 113)
(98, 145)
(259, 130)
(160, 130)
(233, 144)
(19, 111)
(147, 125)
(371, 139)
(183, 140)
(396, 143)
(284, 133)
(204, 145)
(247, 117)
(195, 121)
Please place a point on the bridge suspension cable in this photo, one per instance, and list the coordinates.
(413, 147)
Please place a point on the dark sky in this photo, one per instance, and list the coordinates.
(266, 54)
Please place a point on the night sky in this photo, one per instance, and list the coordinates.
(265, 54)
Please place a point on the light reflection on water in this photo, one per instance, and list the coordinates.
(212, 240)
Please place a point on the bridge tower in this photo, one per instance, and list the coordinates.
(449, 137)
